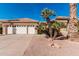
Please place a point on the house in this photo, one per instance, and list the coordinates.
(25, 25)
(19, 26)
(62, 19)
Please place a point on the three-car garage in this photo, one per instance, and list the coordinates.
(21, 30)
(20, 26)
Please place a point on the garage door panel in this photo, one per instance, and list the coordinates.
(21, 30)
(31, 30)
(9, 30)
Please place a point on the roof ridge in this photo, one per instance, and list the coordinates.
(26, 18)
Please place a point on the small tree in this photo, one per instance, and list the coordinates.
(46, 13)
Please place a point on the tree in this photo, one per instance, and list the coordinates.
(73, 19)
(46, 13)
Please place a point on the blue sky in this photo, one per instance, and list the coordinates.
(31, 10)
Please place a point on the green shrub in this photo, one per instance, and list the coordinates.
(40, 29)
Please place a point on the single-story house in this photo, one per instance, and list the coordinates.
(25, 25)
(19, 26)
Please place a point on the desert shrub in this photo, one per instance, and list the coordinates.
(0, 30)
(53, 30)
(40, 29)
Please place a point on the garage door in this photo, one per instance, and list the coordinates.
(21, 29)
(9, 30)
(31, 30)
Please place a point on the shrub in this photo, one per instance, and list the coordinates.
(40, 29)
(0, 30)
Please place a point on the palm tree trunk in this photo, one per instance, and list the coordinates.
(71, 25)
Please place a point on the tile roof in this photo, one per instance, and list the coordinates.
(62, 18)
(21, 20)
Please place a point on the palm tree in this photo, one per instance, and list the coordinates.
(73, 19)
(46, 13)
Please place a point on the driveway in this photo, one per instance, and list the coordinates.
(14, 44)
(35, 45)
(40, 47)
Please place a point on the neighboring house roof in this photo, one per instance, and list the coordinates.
(62, 18)
(21, 20)
(59, 18)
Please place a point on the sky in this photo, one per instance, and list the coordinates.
(32, 10)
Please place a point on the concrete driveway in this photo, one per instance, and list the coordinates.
(40, 47)
(13, 45)
(35, 45)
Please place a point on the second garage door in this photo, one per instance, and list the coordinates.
(21, 30)
(31, 30)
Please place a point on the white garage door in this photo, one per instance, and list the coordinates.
(9, 30)
(31, 30)
(21, 30)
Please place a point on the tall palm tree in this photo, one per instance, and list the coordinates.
(46, 13)
(73, 19)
